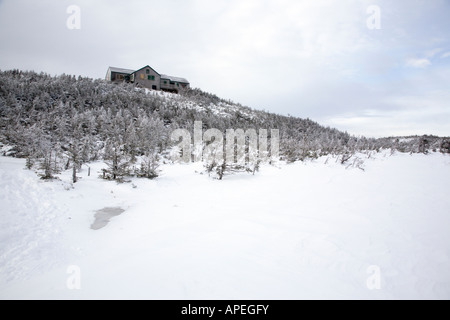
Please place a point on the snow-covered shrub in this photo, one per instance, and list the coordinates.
(148, 167)
(445, 146)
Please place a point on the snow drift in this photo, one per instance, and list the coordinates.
(303, 231)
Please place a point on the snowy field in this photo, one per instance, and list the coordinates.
(301, 231)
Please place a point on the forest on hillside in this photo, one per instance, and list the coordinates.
(63, 122)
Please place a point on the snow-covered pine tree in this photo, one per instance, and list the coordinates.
(117, 160)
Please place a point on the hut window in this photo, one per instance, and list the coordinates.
(147, 71)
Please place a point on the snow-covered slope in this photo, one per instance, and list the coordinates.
(304, 230)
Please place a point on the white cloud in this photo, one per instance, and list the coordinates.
(432, 53)
(412, 114)
(446, 55)
(418, 63)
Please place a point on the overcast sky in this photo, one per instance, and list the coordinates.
(327, 60)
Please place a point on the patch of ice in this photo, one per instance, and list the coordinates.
(102, 217)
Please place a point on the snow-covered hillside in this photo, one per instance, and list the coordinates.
(58, 122)
(303, 230)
